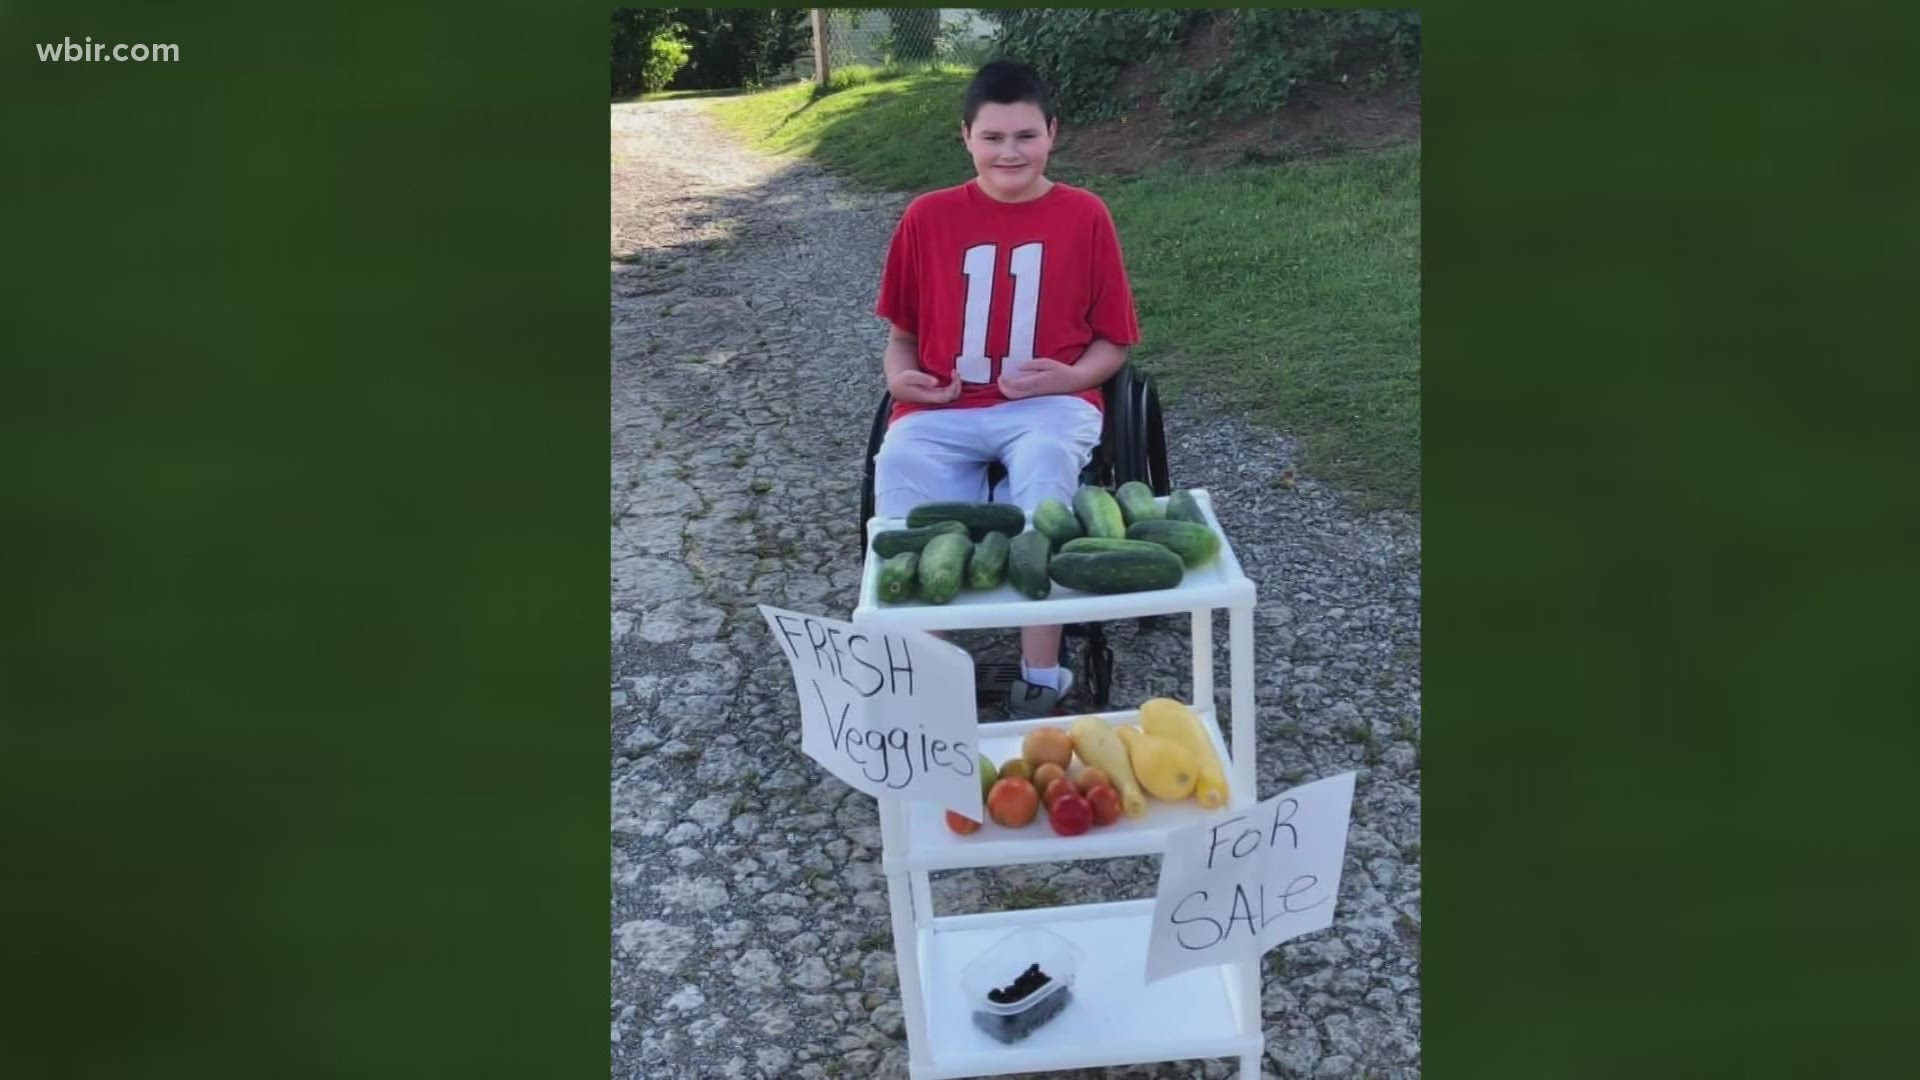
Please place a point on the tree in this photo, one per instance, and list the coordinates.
(634, 30)
(726, 47)
(741, 46)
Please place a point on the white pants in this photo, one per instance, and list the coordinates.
(941, 455)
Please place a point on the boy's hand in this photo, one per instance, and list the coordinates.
(920, 388)
(1035, 377)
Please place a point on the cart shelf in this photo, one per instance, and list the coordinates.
(1116, 1017)
(1113, 1019)
(1219, 584)
(933, 846)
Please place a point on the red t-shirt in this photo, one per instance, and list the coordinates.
(981, 283)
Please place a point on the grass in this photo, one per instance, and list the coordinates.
(1290, 290)
(1406, 730)
(1293, 290)
(670, 95)
(846, 78)
(896, 132)
(1021, 897)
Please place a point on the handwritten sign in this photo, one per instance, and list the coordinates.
(890, 713)
(1232, 888)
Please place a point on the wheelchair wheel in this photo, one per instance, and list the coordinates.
(1099, 668)
(875, 435)
(1153, 425)
(1140, 445)
(1136, 435)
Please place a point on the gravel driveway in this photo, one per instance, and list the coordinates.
(749, 933)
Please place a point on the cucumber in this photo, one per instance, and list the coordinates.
(1099, 515)
(897, 577)
(1137, 502)
(1182, 506)
(1057, 521)
(1195, 544)
(989, 562)
(979, 518)
(943, 564)
(1116, 571)
(1027, 558)
(895, 541)
(1091, 543)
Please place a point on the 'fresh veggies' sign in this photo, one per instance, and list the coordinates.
(1234, 887)
(890, 713)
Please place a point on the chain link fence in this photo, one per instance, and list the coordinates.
(898, 37)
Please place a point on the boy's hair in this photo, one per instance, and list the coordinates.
(1006, 82)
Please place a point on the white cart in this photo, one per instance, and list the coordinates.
(1116, 1018)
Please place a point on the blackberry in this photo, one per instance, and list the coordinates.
(1010, 1029)
(1029, 980)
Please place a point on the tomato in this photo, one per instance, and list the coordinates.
(1043, 778)
(1060, 786)
(1012, 803)
(1047, 744)
(1089, 778)
(1070, 815)
(962, 825)
(1105, 803)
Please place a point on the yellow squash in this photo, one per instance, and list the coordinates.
(1099, 747)
(1170, 719)
(1164, 767)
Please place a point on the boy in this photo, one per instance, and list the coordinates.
(1009, 307)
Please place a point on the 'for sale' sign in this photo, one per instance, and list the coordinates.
(1232, 888)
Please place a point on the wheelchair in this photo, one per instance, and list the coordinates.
(1133, 446)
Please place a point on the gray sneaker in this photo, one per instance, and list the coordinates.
(1026, 700)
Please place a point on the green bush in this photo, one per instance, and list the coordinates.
(724, 47)
(1204, 61)
(747, 47)
(1082, 51)
(1275, 49)
(634, 31)
(666, 55)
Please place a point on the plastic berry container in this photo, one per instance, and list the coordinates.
(1022, 982)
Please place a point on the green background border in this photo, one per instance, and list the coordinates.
(1664, 486)
(305, 744)
(305, 583)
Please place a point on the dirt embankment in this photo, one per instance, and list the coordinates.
(1342, 114)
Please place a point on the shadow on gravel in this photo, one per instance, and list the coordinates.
(715, 222)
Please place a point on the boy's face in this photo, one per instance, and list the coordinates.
(1010, 144)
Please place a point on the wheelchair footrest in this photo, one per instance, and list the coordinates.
(992, 678)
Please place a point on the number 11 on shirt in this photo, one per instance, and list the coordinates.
(973, 364)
